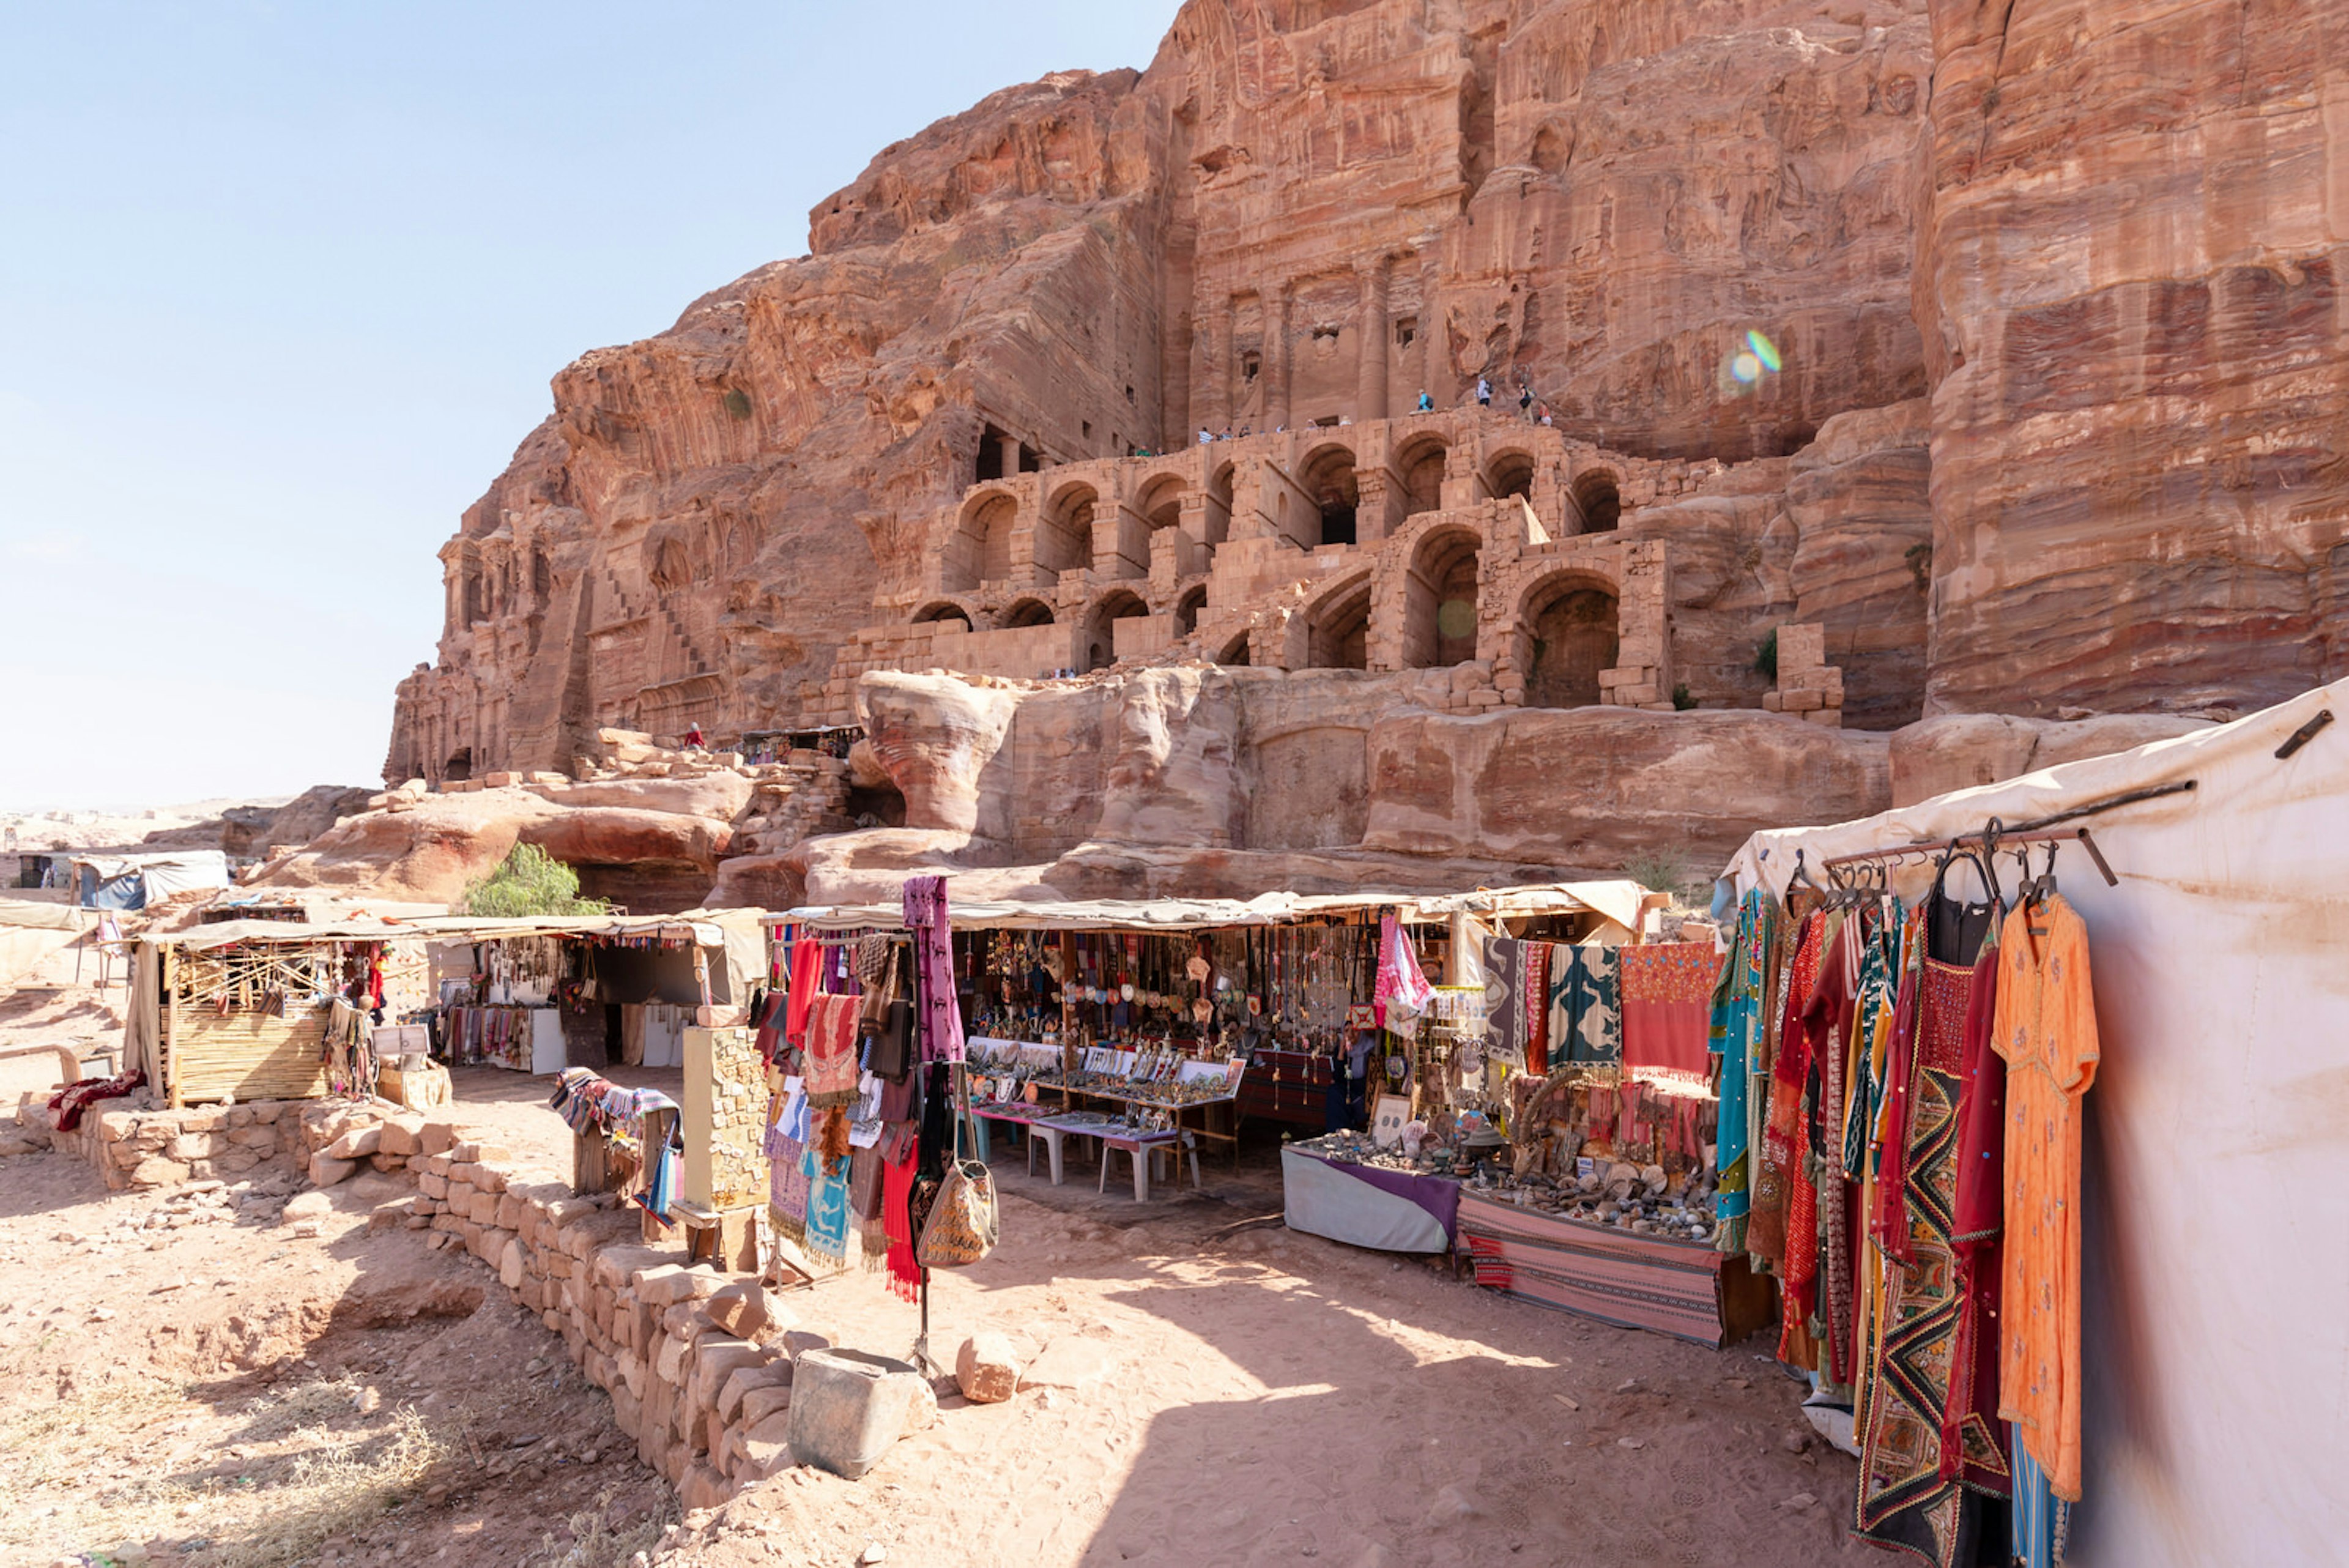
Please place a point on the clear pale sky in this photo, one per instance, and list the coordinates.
(282, 286)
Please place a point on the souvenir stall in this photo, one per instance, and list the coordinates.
(535, 995)
(866, 1121)
(267, 1010)
(2011, 1056)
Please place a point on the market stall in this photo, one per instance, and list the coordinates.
(267, 1009)
(2094, 1219)
(537, 995)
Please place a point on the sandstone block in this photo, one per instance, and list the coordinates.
(510, 1266)
(326, 1169)
(701, 1488)
(987, 1368)
(401, 1135)
(738, 1386)
(761, 1402)
(437, 1137)
(155, 1171)
(740, 1309)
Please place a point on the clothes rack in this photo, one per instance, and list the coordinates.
(1988, 839)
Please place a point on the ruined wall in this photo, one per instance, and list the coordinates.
(2130, 277)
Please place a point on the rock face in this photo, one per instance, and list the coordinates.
(2004, 344)
(2130, 277)
(1301, 210)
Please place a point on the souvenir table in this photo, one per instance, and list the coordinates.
(1332, 1187)
(1156, 1086)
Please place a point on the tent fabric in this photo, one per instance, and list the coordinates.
(134, 882)
(1619, 901)
(2213, 1211)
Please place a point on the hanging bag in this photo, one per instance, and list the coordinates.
(962, 1224)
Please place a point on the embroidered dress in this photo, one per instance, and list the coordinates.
(1909, 1497)
(1403, 993)
(2045, 1028)
(1738, 1009)
(1586, 1016)
(827, 1211)
(830, 1071)
(1792, 1088)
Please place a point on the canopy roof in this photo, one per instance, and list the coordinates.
(703, 931)
(1618, 902)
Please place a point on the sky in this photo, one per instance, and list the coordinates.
(281, 287)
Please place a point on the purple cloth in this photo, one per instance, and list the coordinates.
(1439, 1195)
(926, 918)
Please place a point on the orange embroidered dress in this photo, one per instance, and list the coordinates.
(2045, 1027)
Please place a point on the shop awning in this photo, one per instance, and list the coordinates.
(1618, 902)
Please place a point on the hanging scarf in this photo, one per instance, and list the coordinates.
(925, 912)
(1403, 993)
(807, 967)
(827, 1212)
(896, 1201)
(832, 1053)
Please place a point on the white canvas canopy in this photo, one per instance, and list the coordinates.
(135, 882)
(2216, 1221)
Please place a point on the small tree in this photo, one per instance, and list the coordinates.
(529, 882)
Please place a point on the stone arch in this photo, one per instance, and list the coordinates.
(1567, 628)
(1599, 497)
(1188, 609)
(1439, 595)
(1101, 636)
(1420, 464)
(943, 610)
(1220, 485)
(1236, 651)
(460, 765)
(1027, 612)
(1510, 472)
(1064, 533)
(1327, 475)
(1338, 627)
(981, 550)
(1160, 500)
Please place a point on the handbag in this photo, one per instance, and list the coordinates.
(884, 1028)
(962, 1224)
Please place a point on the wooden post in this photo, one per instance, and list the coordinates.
(169, 1013)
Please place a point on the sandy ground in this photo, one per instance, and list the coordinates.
(1211, 1389)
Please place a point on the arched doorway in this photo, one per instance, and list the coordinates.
(1100, 627)
(459, 767)
(943, 610)
(1440, 600)
(1338, 635)
(1328, 477)
(1421, 465)
(1027, 612)
(1600, 501)
(1220, 505)
(1188, 609)
(1510, 473)
(981, 550)
(1236, 653)
(1064, 534)
(1567, 634)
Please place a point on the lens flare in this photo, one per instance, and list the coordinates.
(1765, 352)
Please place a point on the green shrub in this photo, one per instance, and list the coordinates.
(530, 882)
(1766, 658)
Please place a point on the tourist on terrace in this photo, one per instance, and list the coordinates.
(1426, 403)
(1484, 393)
(1204, 437)
(1526, 402)
(693, 737)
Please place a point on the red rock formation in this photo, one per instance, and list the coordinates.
(2131, 280)
(1302, 210)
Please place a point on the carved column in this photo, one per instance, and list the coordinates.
(1371, 373)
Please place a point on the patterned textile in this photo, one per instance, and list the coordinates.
(1615, 1276)
(787, 1185)
(1517, 1002)
(924, 909)
(2045, 1028)
(1667, 1007)
(865, 1204)
(1909, 1496)
(1403, 993)
(807, 966)
(832, 1053)
(77, 1096)
(827, 1211)
(1736, 1038)
(1586, 1016)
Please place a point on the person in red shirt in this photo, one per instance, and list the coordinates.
(693, 736)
